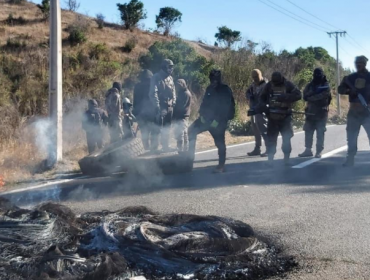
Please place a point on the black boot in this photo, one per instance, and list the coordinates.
(270, 161)
(350, 161)
(255, 152)
(306, 153)
(318, 154)
(287, 160)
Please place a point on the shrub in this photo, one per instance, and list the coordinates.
(15, 44)
(240, 127)
(167, 18)
(76, 36)
(129, 45)
(98, 51)
(45, 8)
(100, 20)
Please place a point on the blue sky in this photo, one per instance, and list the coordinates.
(258, 22)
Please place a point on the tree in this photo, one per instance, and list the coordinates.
(167, 19)
(132, 13)
(72, 5)
(227, 36)
(45, 8)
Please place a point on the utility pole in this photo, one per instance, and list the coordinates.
(337, 34)
(55, 85)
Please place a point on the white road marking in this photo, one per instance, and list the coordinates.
(249, 143)
(312, 161)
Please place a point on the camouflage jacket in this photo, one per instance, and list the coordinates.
(162, 91)
(113, 104)
(361, 81)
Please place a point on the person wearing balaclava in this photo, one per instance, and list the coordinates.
(93, 120)
(143, 108)
(279, 96)
(318, 97)
(163, 97)
(357, 86)
(258, 121)
(217, 108)
(181, 115)
(113, 106)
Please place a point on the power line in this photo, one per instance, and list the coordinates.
(298, 16)
(296, 19)
(352, 44)
(353, 39)
(312, 14)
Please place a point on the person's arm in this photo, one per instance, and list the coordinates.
(173, 93)
(292, 95)
(249, 93)
(153, 93)
(187, 106)
(307, 92)
(344, 88)
(323, 94)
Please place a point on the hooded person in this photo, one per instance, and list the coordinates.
(93, 120)
(128, 119)
(114, 109)
(279, 96)
(318, 97)
(163, 97)
(258, 121)
(181, 115)
(217, 108)
(357, 86)
(143, 108)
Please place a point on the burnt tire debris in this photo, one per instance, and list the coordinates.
(51, 242)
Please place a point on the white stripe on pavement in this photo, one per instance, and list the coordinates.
(249, 143)
(312, 161)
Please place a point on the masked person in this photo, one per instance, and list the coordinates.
(258, 121)
(217, 108)
(93, 121)
(279, 96)
(181, 115)
(128, 119)
(143, 108)
(114, 109)
(318, 97)
(163, 96)
(357, 86)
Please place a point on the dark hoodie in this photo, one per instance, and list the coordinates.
(183, 100)
(143, 107)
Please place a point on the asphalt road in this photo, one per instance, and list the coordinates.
(319, 213)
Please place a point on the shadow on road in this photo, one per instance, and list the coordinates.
(326, 176)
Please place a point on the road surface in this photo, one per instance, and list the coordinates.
(318, 212)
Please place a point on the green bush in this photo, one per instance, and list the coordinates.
(130, 45)
(100, 20)
(189, 65)
(76, 36)
(15, 44)
(240, 127)
(98, 51)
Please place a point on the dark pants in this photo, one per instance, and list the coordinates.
(115, 129)
(274, 127)
(162, 127)
(259, 126)
(310, 127)
(218, 135)
(355, 120)
(146, 129)
(181, 127)
(94, 139)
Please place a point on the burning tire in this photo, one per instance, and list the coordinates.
(116, 157)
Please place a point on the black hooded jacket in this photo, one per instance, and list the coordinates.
(143, 108)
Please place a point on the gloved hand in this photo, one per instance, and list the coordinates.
(353, 92)
(280, 98)
(202, 120)
(214, 124)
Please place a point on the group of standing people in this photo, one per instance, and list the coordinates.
(159, 102)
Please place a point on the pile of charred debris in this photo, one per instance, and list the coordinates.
(51, 242)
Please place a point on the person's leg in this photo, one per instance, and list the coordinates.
(179, 134)
(272, 136)
(144, 130)
(193, 131)
(166, 130)
(309, 130)
(90, 142)
(320, 136)
(186, 136)
(286, 130)
(99, 138)
(366, 125)
(218, 135)
(353, 129)
(261, 121)
(257, 137)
